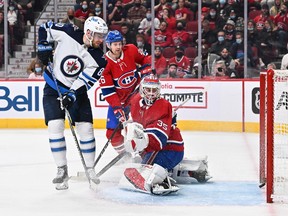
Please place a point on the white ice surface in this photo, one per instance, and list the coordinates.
(27, 168)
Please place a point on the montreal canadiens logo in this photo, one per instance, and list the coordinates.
(127, 80)
(72, 66)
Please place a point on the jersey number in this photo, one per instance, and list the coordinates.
(162, 124)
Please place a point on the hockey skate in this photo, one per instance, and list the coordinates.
(200, 176)
(92, 176)
(61, 179)
(168, 186)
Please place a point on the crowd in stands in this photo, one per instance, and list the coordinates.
(176, 32)
(19, 14)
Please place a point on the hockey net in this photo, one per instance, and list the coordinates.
(274, 134)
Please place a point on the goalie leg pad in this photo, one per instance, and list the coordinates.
(191, 171)
(87, 141)
(150, 179)
(57, 141)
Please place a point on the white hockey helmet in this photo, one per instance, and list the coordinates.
(96, 25)
(150, 87)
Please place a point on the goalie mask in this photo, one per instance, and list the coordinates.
(150, 89)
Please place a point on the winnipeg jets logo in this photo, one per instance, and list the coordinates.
(127, 80)
(71, 66)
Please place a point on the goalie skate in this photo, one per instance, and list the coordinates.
(168, 186)
(61, 179)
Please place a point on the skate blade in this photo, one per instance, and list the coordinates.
(62, 186)
(163, 192)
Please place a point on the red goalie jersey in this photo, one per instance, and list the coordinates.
(120, 78)
(157, 121)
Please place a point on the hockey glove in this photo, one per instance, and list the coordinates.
(136, 139)
(120, 114)
(44, 52)
(68, 99)
(145, 70)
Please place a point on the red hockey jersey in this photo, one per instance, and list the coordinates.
(120, 79)
(157, 123)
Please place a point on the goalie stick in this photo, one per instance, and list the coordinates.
(70, 124)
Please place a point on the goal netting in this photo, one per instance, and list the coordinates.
(274, 134)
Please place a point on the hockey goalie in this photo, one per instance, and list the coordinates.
(151, 133)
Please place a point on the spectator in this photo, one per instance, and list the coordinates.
(170, 20)
(92, 7)
(172, 71)
(26, 8)
(183, 63)
(135, 14)
(205, 13)
(219, 69)
(118, 15)
(159, 9)
(145, 24)
(228, 61)
(181, 14)
(98, 10)
(208, 36)
(212, 16)
(181, 36)
(220, 44)
(160, 62)
(128, 34)
(83, 12)
(204, 59)
(275, 9)
(163, 37)
(38, 72)
(72, 19)
(12, 15)
(281, 22)
(230, 31)
(142, 45)
(252, 33)
(271, 66)
(260, 19)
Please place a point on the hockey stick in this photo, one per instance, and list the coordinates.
(111, 163)
(70, 122)
(106, 144)
(181, 105)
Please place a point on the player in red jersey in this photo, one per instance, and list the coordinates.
(155, 135)
(120, 81)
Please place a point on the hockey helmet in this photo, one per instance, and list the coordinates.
(150, 87)
(96, 25)
(113, 36)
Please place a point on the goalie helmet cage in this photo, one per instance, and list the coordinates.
(274, 134)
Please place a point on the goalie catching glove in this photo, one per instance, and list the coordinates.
(136, 139)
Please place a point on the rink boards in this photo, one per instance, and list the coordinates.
(214, 105)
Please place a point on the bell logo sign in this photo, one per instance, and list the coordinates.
(19, 103)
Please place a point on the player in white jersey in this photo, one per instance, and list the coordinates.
(78, 63)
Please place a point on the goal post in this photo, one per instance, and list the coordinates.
(274, 134)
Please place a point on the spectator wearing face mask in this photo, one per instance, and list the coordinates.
(183, 63)
(180, 37)
(145, 24)
(117, 14)
(219, 44)
(83, 12)
(142, 45)
(98, 10)
(70, 18)
(37, 72)
(11, 15)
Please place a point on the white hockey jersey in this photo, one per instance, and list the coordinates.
(74, 65)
